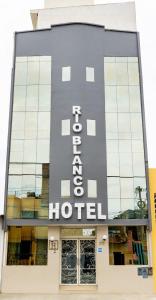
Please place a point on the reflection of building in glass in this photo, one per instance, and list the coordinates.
(77, 124)
(128, 245)
(27, 246)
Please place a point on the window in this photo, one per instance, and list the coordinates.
(44, 97)
(110, 99)
(112, 164)
(27, 245)
(43, 125)
(32, 98)
(65, 188)
(66, 73)
(19, 98)
(128, 245)
(45, 72)
(21, 73)
(90, 74)
(92, 189)
(91, 127)
(65, 127)
(33, 72)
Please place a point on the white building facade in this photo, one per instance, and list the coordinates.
(77, 208)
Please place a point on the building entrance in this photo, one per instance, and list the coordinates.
(78, 265)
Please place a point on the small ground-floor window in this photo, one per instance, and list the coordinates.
(128, 245)
(27, 245)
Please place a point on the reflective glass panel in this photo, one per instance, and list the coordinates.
(45, 72)
(28, 189)
(21, 73)
(32, 98)
(27, 245)
(33, 72)
(110, 99)
(19, 98)
(44, 97)
(124, 139)
(128, 245)
(121, 74)
(123, 98)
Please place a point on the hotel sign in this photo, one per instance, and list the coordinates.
(93, 211)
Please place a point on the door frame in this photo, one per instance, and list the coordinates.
(78, 256)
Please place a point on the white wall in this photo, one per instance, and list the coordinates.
(120, 16)
(63, 3)
(46, 279)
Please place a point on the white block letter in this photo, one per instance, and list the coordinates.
(77, 127)
(79, 207)
(77, 170)
(76, 110)
(77, 160)
(100, 215)
(76, 140)
(91, 211)
(78, 191)
(75, 150)
(77, 180)
(66, 210)
(54, 211)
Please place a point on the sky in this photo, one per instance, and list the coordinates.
(15, 16)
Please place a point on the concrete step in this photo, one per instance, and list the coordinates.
(76, 297)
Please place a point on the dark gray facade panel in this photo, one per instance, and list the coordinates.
(9, 134)
(78, 46)
(90, 96)
(144, 134)
(33, 222)
(48, 42)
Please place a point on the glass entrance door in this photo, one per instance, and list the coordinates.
(78, 262)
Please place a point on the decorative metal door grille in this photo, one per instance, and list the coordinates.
(78, 264)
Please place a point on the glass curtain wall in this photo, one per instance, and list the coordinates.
(28, 185)
(27, 245)
(124, 137)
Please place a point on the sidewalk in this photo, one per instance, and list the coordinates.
(76, 297)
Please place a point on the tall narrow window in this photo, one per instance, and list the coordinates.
(65, 188)
(90, 74)
(65, 127)
(91, 127)
(92, 189)
(66, 73)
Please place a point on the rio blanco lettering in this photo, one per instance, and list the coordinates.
(91, 211)
(77, 162)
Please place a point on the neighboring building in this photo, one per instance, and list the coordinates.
(77, 208)
(1, 245)
(152, 185)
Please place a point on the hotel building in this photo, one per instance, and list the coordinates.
(77, 198)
